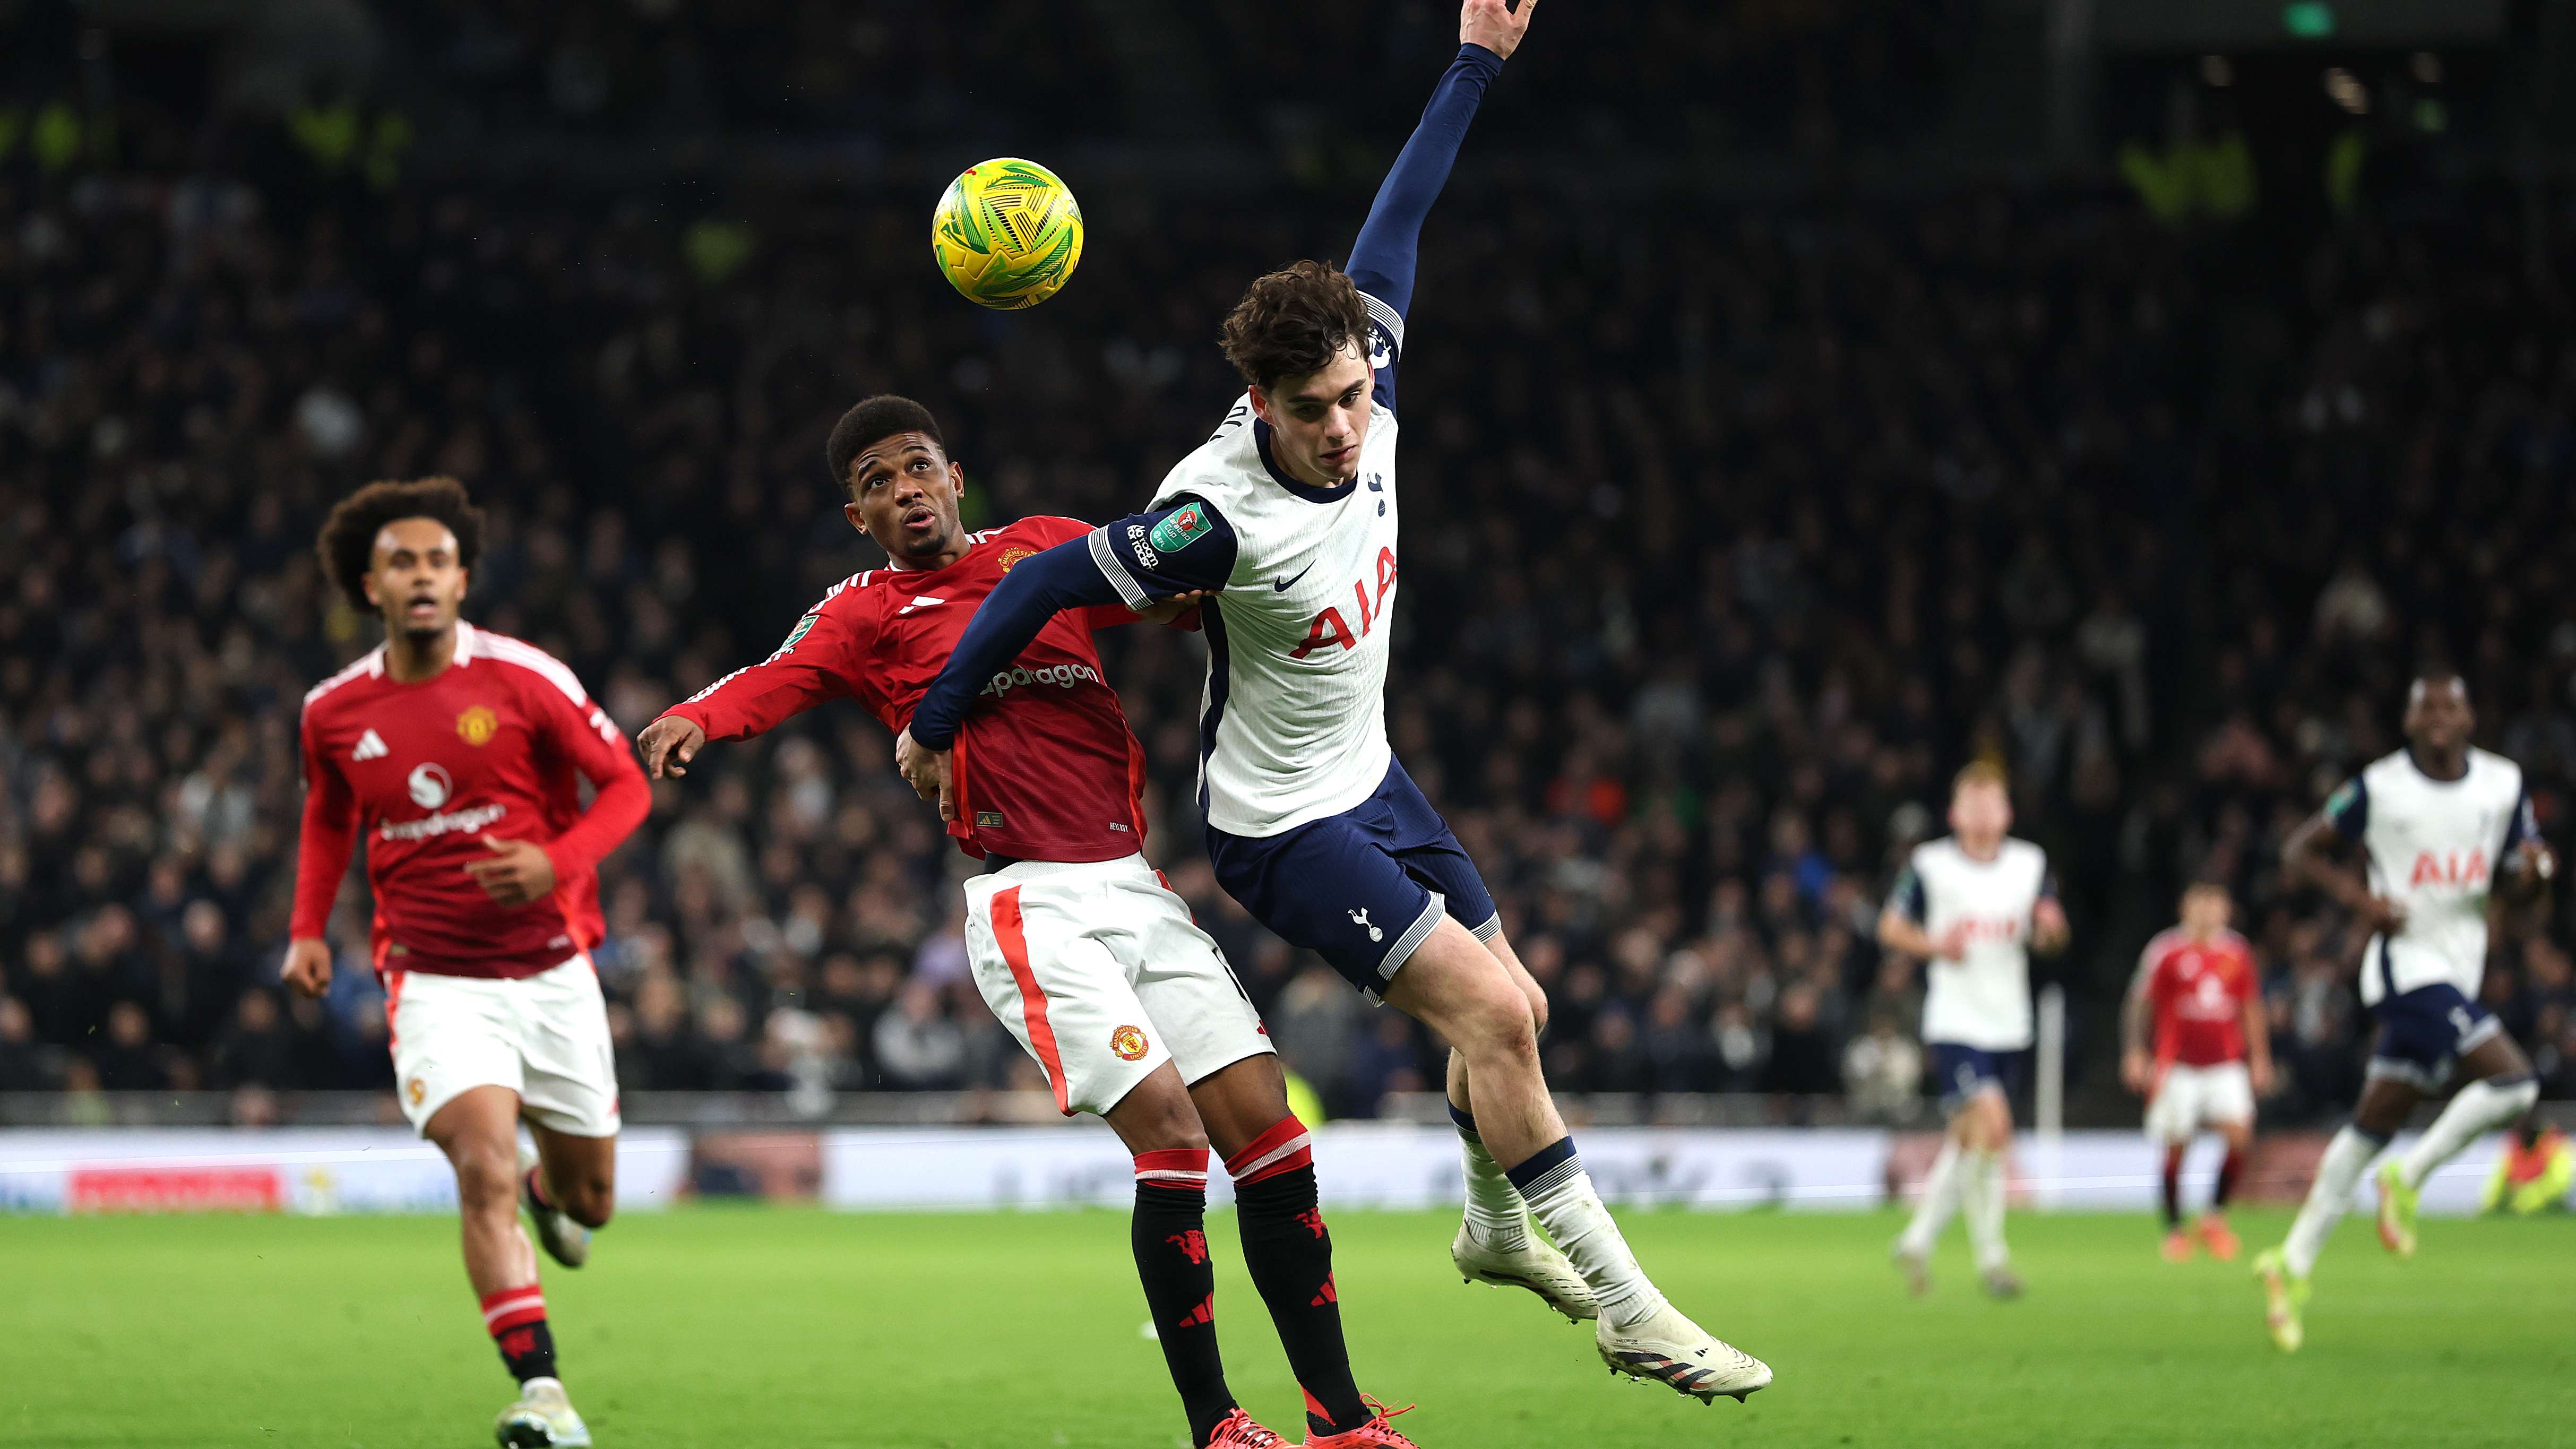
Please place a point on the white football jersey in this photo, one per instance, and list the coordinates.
(1292, 724)
(1983, 999)
(2434, 847)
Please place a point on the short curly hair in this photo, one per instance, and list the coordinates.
(348, 541)
(873, 420)
(1293, 322)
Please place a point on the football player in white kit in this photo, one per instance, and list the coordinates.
(2438, 823)
(1287, 518)
(1973, 904)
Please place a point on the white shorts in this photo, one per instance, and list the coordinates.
(2191, 1097)
(1099, 971)
(544, 1037)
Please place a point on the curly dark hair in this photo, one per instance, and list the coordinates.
(348, 541)
(1293, 322)
(874, 420)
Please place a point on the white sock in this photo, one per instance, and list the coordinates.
(2478, 1106)
(1496, 1216)
(1560, 1193)
(2346, 1159)
(1981, 1193)
(1940, 1199)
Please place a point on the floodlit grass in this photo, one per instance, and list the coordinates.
(717, 1326)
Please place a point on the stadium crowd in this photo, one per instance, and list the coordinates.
(1730, 548)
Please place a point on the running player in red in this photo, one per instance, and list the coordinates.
(459, 755)
(1078, 945)
(2199, 982)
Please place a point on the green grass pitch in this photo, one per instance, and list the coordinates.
(716, 1326)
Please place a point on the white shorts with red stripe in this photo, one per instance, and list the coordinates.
(544, 1037)
(1099, 971)
(2190, 1097)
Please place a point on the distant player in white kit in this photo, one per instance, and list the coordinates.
(1287, 518)
(1973, 904)
(2438, 822)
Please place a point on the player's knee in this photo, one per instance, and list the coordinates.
(1495, 1021)
(487, 1180)
(1153, 1120)
(591, 1199)
(1537, 997)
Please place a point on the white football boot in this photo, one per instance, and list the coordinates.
(566, 1241)
(543, 1418)
(1535, 1265)
(1671, 1350)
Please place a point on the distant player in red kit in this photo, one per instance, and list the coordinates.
(1077, 944)
(459, 754)
(2199, 983)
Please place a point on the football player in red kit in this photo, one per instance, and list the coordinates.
(2212, 1055)
(1079, 946)
(459, 755)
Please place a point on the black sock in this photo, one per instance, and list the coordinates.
(1290, 1253)
(2227, 1175)
(527, 1350)
(2173, 1189)
(1169, 1235)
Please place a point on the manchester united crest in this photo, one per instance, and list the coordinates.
(414, 1090)
(1128, 1042)
(1012, 556)
(478, 725)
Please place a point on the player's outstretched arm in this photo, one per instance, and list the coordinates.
(1383, 259)
(1144, 561)
(1036, 590)
(822, 654)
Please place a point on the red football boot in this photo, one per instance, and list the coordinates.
(1375, 1434)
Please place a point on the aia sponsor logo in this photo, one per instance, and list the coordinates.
(1333, 627)
(1129, 1043)
(2466, 869)
(1991, 928)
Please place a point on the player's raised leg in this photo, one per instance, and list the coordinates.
(2502, 1089)
(478, 1130)
(569, 1187)
(1494, 1243)
(1452, 983)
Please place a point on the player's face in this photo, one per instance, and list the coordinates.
(416, 580)
(2206, 912)
(1980, 812)
(1318, 422)
(904, 494)
(2438, 716)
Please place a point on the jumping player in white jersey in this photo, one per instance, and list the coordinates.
(2438, 822)
(1287, 518)
(1973, 904)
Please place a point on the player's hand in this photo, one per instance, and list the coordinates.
(1494, 25)
(2138, 1072)
(518, 871)
(2261, 1071)
(308, 966)
(1952, 944)
(1172, 608)
(2535, 863)
(927, 771)
(2049, 931)
(669, 743)
(2383, 916)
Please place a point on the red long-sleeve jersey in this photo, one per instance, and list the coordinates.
(2198, 990)
(1044, 768)
(495, 744)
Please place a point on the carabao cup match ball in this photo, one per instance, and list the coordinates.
(1007, 234)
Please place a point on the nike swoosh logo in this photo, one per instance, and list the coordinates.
(1283, 585)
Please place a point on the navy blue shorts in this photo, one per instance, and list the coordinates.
(1964, 1071)
(1363, 888)
(2424, 1031)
